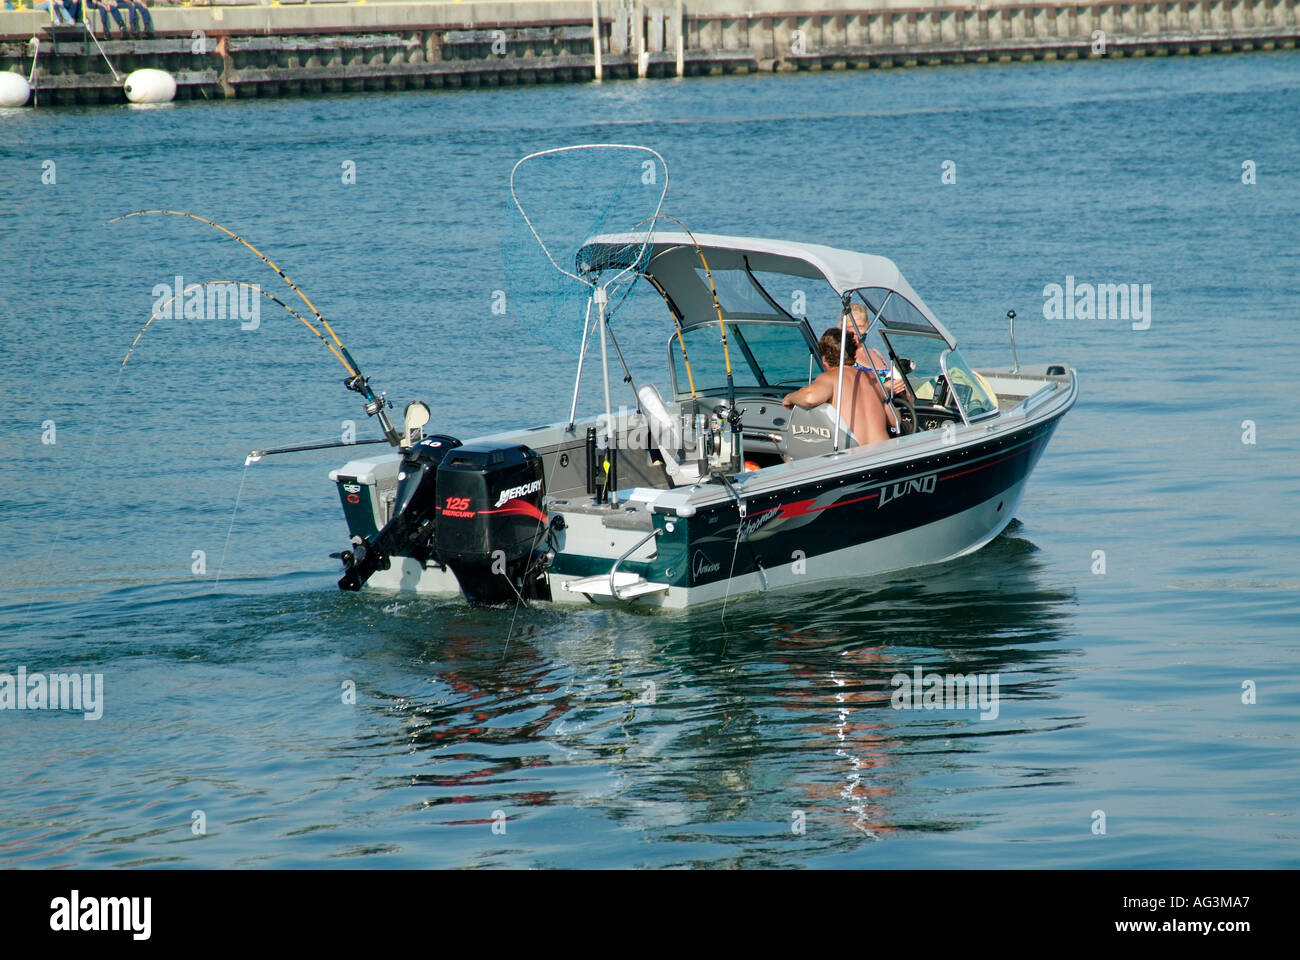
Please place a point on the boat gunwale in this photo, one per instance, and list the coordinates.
(836, 466)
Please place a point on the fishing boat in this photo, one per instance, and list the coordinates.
(705, 485)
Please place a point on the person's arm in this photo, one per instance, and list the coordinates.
(818, 392)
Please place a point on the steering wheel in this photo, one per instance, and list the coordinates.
(906, 408)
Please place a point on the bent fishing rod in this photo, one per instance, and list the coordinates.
(375, 405)
(733, 414)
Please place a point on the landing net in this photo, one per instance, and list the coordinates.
(559, 200)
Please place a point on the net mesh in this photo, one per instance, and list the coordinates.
(560, 200)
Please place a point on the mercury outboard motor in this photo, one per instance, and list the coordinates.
(411, 530)
(490, 521)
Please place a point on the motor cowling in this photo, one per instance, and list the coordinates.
(410, 531)
(490, 520)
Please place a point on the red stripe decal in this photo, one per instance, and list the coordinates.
(801, 508)
(518, 507)
(982, 466)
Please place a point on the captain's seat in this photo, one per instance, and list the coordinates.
(811, 432)
(666, 435)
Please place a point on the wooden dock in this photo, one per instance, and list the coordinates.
(221, 49)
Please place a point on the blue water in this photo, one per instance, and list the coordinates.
(1121, 691)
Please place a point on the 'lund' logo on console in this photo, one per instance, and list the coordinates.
(892, 491)
(520, 491)
(799, 430)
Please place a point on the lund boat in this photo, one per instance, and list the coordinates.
(706, 486)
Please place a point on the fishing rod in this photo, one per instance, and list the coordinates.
(677, 322)
(256, 455)
(375, 405)
(162, 309)
(733, 415)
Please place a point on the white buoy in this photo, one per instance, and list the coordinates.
(14, 90)
(149, 86)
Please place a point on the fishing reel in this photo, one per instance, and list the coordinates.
(376, 406)
(723, 440)
(361, 385)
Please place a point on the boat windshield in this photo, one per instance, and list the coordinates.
(969, 388)
(764, 354)
(922, 368)
(928, 357)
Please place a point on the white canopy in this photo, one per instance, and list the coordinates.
(674, 261)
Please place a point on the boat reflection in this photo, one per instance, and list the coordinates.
(687, 720)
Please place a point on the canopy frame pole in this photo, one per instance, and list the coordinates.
(839, 389)
(601, 297)
(886, 396)
(582, 356)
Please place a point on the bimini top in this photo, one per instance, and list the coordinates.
(674, 264)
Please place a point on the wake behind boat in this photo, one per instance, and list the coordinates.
(705, 485)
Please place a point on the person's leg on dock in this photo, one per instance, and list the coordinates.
(146, 17)
(57, 13)
(120, 6)
(138, 12)
(104, 7)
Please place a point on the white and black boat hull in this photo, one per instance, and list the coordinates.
(920, 500)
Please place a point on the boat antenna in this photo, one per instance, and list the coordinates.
(1015, 360)
(376, 406)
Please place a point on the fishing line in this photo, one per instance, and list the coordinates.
(741, 511)
(733, 416)
(238, 495)
(713, 291)
(163, 309)
(116, 388)
(542, 528)
(735, 547)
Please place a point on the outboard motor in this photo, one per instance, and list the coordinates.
(490, 521)
(411, 530)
